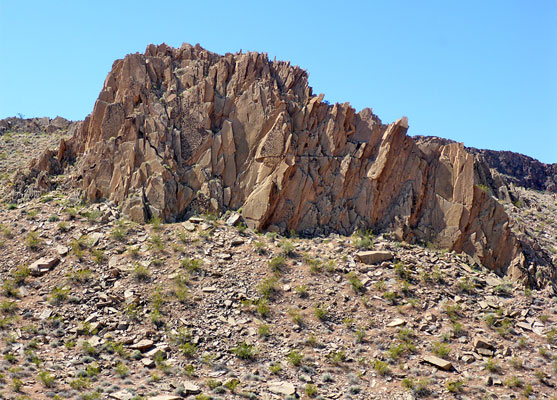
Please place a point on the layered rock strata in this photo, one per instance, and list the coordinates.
(177, 131)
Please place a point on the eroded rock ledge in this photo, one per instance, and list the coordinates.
(176, 131)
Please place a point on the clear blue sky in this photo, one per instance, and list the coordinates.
(480, 72)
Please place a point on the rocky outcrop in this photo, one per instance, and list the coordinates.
(178, 131)
(35, 125)
(507, 167)
(519, 169)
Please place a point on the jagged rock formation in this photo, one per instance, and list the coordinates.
(175, 131)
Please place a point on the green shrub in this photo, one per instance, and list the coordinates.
(287, 248)
(513, 381)
(188, 349)
(262, 307)
(141, 273)
(245, 351)
(231, 384)
(58, 295)
(355, 282)
(17, 384)
(268, 287)
(119, 233)
(390, 297)
(263, 330)
(336, 357)
(8, 307)
(310, 390)
(32, 241)
(381, 367)
(191, 265)
(89, 350)
(274, 368)
(156, 242)
(295, 358)
(47, 379)
(260, 247)
(301, 291)
(321, 312)
(296, 316)
(122, 370)
(454, 386)
(20, 274)
(363, 240)
(277, 263)
(441, 349)
(491, 365)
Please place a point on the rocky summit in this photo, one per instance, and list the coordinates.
(175, 132)
(214, 230)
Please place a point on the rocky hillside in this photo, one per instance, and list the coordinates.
(95, 306)
(177, 132)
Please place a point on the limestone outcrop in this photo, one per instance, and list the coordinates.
(178, 131)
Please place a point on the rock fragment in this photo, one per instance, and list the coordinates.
(43, 265)
(374, 257)
(438, 362)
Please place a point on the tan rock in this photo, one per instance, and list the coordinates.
(43, 265)
(142, 345)
(396, 322)
(481, 343)
(281, 387)
(191, 388)
(438, 362)
(121, 395)
(62, 250)
(374, 257)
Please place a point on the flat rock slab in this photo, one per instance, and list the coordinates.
(191, 388)
(234, 219)
(121, 395)
(492, 281)
(396, 322)
(45, 314)
(438, 362)
(482, 343)
(524, 325)
(148, 362)
(142, 345)
(43, 265)
(166, 397)
(284, 388)
(374, 257)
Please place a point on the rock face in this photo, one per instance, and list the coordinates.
(178, 131)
